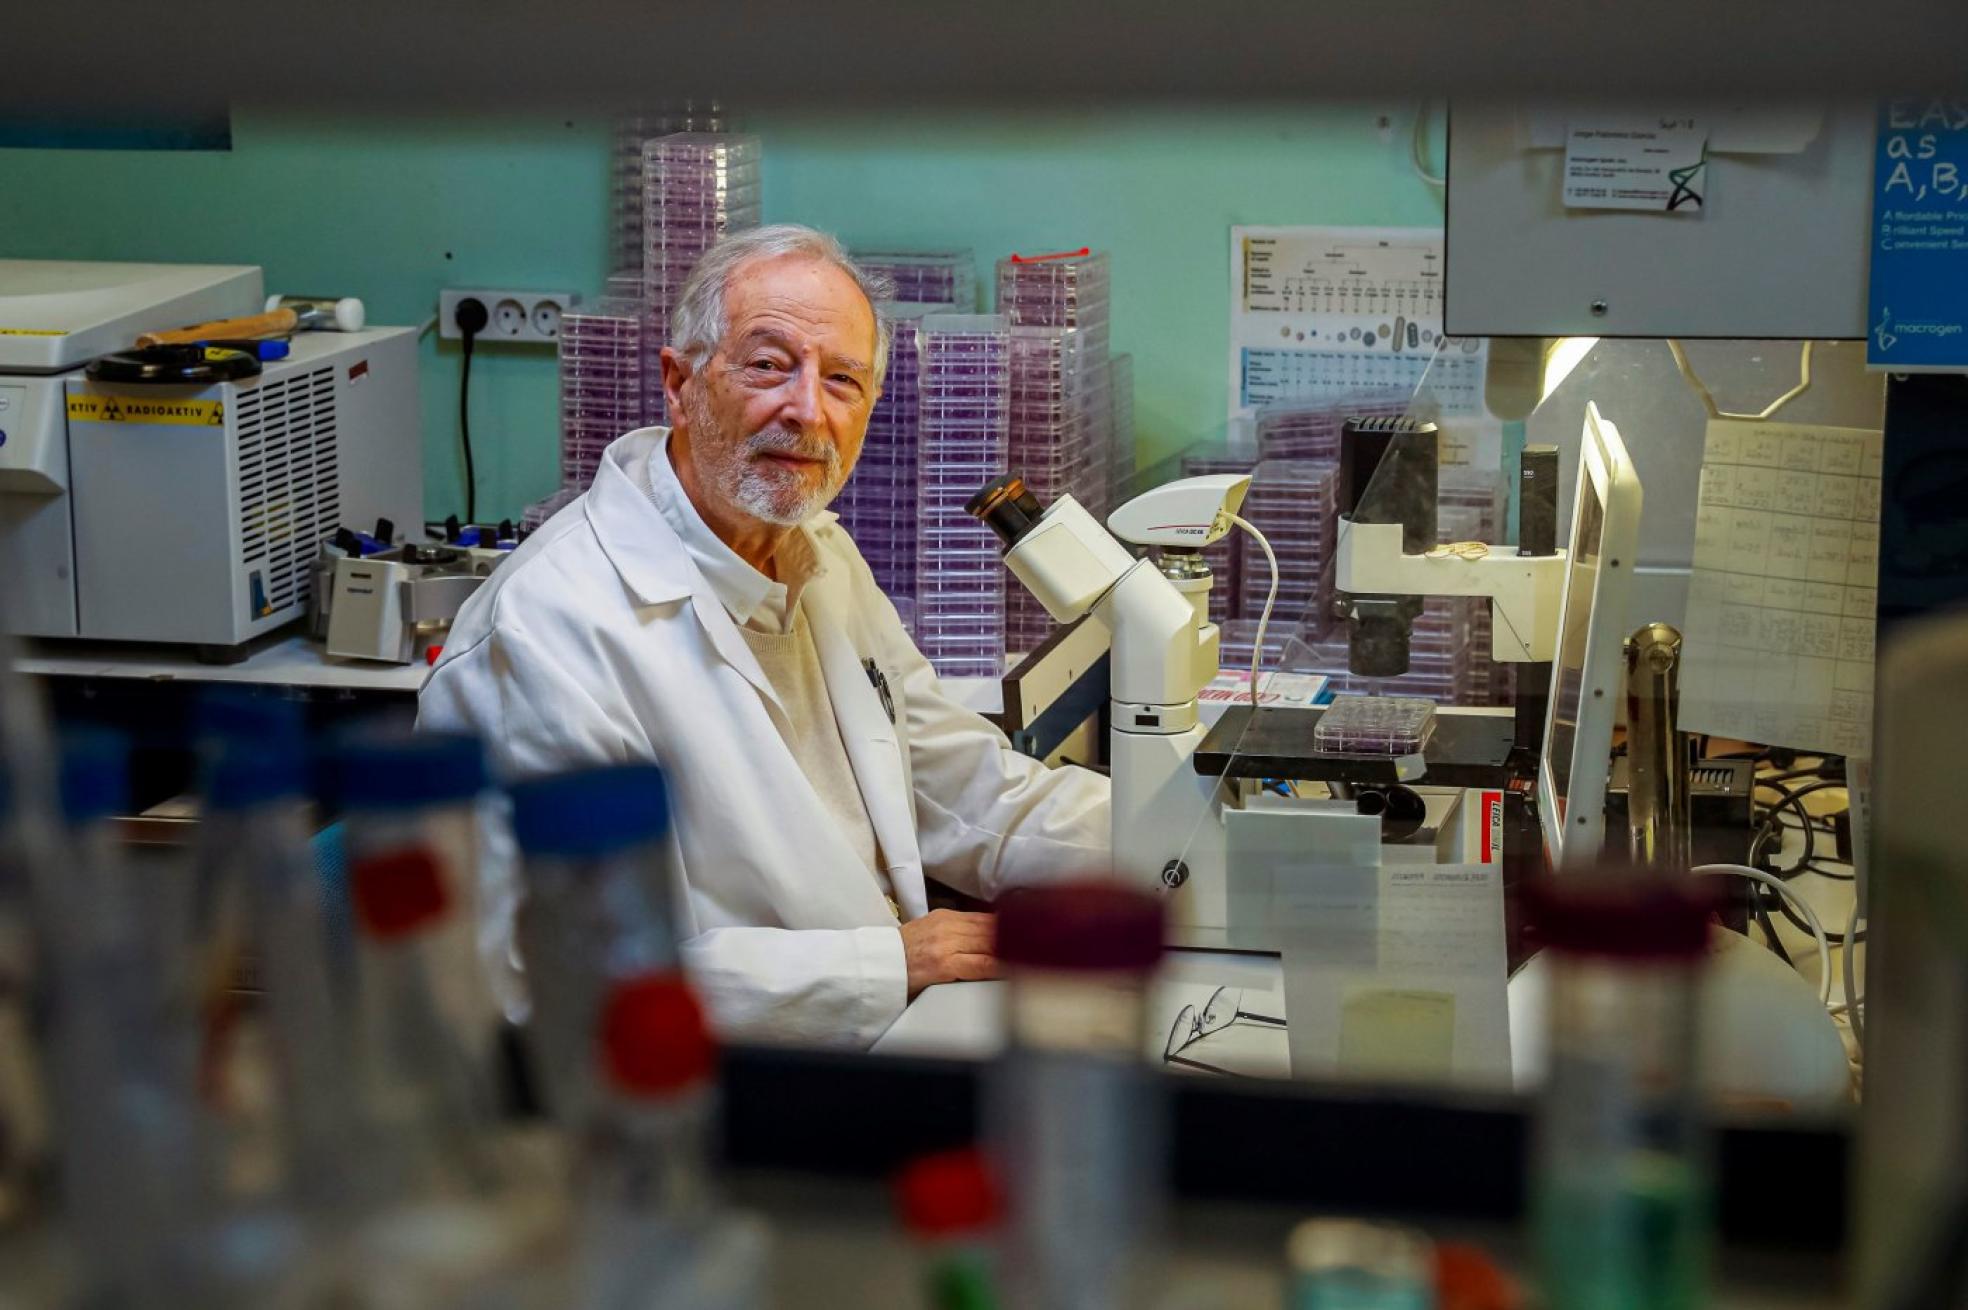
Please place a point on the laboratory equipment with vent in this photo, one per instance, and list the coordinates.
(185, 514)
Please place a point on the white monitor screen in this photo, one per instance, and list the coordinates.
(1585, 665)
(1568, 670)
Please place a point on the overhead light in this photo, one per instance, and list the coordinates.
(1562, 356)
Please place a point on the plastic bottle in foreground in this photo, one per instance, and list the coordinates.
(455, 1214)
(1074, 1113)
(621, 1047)
(28, 856)
(122, 1057)
(424, 1022)
(270, 1059)
(1620, 1186)
(652, 1232)
(1351, 1264)
(952, 1208)
(597, 871)
(260, 908)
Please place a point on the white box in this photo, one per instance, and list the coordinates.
(1277, 690)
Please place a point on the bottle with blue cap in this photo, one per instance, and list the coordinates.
(425, 1023)
(122, 1055)
(452, 1214)
(597, 870)
(28, 846)
(259, 917)
(28, 854)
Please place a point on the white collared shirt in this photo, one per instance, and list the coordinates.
(752, 599)
(767, 614)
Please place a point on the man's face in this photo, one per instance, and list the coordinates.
(773, 421)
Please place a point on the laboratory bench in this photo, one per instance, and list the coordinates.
(1452, 1162)
(151, 694)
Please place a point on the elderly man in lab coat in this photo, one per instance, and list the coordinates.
(700, 608)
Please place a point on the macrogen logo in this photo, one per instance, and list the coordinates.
(1888, 333)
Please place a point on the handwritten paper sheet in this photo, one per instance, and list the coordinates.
(1784, 594)
(1413, 989)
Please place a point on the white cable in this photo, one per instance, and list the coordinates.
(1810, 916)
(1264, 619)
(1854, 1003)
(1419, 143)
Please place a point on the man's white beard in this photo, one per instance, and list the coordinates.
(766, 491)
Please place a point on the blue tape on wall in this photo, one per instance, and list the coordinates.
(195, 129)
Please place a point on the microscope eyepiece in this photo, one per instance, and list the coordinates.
(1007, 507)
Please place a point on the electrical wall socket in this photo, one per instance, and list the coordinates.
(521, 316)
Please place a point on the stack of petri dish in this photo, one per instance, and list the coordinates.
(1309, 428)
(926, 277)
(1121, 460)
(536, 514)
(1051, 445)
(964, 409)
(631, 132)
(601, 363)
(1293, 503)
(697, 187)
(1072, 291)
(879, 504)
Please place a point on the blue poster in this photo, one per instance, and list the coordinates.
(1918, 305)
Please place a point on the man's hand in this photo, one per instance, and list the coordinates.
(949, 946)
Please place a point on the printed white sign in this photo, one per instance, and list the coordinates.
(1655, 164)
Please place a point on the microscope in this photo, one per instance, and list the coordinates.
(1200, 813)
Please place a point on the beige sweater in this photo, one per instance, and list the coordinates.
(791, 663)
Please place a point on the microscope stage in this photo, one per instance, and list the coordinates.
(1466, 750)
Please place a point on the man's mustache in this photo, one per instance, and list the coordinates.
(776, 441)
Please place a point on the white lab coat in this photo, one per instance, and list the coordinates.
(599, 640)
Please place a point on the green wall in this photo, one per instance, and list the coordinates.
(394, 209)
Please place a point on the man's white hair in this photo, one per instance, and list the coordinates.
(698, 322)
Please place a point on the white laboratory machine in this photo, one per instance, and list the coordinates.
(1212, 840)
(184, 514)
(392, 605)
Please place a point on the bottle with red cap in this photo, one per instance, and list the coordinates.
(596, 865)
(951, 1206)
(652, 1231)
(621, 1046)
(424, 1020)
(1074, 1115)
(1620, 1200)
(454, 1211)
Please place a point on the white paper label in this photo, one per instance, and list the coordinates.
(1656, 164)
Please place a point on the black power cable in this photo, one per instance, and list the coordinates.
(1759, 898)
(471, 318)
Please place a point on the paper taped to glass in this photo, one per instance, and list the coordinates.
(1782, 603)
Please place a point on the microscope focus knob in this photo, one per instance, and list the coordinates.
(1174, 874)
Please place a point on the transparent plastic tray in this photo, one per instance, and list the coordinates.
(1374, 725)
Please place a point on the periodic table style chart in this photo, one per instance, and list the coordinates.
(1784, 594)
(1330, 313)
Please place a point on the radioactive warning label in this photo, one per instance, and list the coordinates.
(136, 409)
(33, 332)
